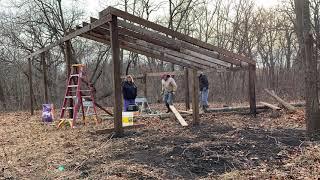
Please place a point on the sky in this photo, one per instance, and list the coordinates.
(94, 6)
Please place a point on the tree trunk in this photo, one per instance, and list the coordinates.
(310, 65)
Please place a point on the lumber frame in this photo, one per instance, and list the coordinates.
(174, 34)
(30, 86)
(144, 50)
(115, 48)
(155, 41)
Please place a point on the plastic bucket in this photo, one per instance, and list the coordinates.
(127, 118)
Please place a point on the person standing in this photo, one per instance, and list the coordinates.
(129, 91)
(204, 91)
(169, 88)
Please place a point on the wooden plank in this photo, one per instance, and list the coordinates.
(115, 48)
(172, 33)
(71, 35)
(154, 53)
(206, 58)
(178, 116)
(172, 49)
(195, 98)
(288, 106)
(178, 43)
(187, 91)
(138, 35)
(169, 52)
(30, 86)
(110, 130)
(252, 89)
(271, 106)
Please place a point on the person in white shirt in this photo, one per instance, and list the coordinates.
(169, 88)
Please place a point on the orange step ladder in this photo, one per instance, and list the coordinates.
(77, 90)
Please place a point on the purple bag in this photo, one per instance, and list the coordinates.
(47, 112)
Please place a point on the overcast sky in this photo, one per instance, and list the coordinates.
(94, 6)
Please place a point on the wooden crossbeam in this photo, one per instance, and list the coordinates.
(178, 116)
(144, 51)
(172, 49)
(184, 46)
(71, 35)
(174, 34)
(138, 45)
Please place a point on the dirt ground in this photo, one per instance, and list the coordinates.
(224, 146)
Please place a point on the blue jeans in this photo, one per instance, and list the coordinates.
(128, 102)
(168, 98)
(204, 97)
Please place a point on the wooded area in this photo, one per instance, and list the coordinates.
(262, 68)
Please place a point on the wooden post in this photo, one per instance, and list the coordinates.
(68, 57)
(117, 109)
(30, 86)
(145, 85)
(252, 90)
(187, 94)
(195, 97)
(45, 78)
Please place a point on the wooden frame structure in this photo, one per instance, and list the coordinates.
(123, 30)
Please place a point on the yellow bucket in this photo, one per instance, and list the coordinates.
(127, 118)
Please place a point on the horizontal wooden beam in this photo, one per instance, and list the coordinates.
(193, 61)
(177, 45)
(71, 35)
(143, 50)
(174, 34)
(183, 46)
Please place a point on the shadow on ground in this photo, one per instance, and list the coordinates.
(208, 150)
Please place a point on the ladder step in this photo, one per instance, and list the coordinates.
(80, 91)
(86, 96)
(75, 75)
(72, 86)
(67, 108)
(69, 97)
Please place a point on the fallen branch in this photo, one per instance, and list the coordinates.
(270, 106)
(288, 106)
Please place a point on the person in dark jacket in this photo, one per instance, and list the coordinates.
(204, 91)
(129, 91)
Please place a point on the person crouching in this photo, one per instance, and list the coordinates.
(129, 91)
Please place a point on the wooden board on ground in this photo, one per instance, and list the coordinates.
(110, 130)
(288, 106)
(270, 106)
(178, 116)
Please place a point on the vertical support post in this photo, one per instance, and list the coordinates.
(195, 97)
(68, 56)
(45, 78)
(252, 90)
(117, 109)
(187, 92)
(145, 85)
(30, 86)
